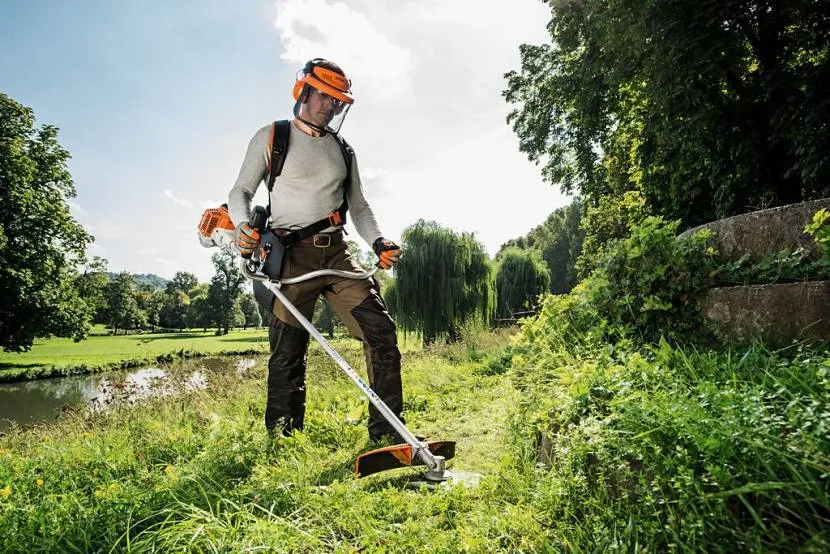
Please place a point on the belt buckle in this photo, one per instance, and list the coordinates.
(321, 244)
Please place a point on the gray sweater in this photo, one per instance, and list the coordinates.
(309, 187)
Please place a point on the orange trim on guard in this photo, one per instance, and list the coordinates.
(315, 82)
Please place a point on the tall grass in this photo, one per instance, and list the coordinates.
(646, 449)
(666, 449)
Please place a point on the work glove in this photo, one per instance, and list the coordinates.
(247, 239)
(388, 252)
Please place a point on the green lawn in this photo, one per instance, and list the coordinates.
(99, 352)
(60, 356)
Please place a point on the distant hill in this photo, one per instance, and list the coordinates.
(145, 278)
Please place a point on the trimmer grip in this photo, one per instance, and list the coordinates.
(259, 218)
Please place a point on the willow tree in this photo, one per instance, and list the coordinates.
(521, 277)
(443, 280)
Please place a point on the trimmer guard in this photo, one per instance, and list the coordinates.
(398, 455)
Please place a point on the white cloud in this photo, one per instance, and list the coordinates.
(180, 201)
(379, 68)
(439, 147)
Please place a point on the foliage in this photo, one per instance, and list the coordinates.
(40, 242)
(183, 281)
(705, 450)
(521, 278)
(709, 107)
(559, 240)
(150, 300)
(443, 279)
(611, 219)
(122, 309)
(325, 318)
(644, 287)
(819, 229)
(175, 310)
(782, 266)
(225, 288)
(250, 310)
(92, 286)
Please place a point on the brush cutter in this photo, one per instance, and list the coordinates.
(216, 229)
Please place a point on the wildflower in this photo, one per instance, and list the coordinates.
(6, 492)
(39, 482)
(168, 470)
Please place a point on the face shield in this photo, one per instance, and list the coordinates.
(323, 98)
(321, 111)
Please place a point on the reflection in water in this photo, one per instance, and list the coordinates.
(43, 400)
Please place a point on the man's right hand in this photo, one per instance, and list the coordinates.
(247, 239)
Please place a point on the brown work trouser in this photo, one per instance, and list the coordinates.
(360, 308)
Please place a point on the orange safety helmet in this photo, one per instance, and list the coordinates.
(325, 79)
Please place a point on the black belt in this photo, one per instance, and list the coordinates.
(320, 240)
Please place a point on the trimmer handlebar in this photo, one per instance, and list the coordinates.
(254, 274)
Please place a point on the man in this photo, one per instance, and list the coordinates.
(318, 179)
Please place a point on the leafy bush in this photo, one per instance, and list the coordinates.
(610, 220)
(644, 287)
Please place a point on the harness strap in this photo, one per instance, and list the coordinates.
(279, 150)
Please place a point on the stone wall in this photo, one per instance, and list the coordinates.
(765, 232)
(778, 313)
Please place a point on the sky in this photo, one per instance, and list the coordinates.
(156, 101)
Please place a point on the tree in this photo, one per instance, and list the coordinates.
(174, 309)
(250, 310)
(710, 108)
(521, 277)
(225, 287)
(325, 318)
(92, 287)
(198, 312)
(40, 242)
(150, 300)
(122, 309)
(182, 281)
(443, 280)
(559, 241)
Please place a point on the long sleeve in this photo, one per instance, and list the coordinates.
(253, 171)
(362, 215)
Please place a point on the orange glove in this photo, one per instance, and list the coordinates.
(247, 239)
(388, 253)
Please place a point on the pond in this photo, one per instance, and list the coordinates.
(43, 400)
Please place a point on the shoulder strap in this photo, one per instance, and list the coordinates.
(279, 149)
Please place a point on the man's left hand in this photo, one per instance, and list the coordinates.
(388, 253)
